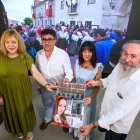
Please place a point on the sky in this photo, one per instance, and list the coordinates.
(18, 9)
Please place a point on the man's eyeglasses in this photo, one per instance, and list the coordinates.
(48, 40)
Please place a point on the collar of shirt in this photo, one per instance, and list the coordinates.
(135, 76)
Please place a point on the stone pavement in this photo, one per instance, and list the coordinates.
(56, 133)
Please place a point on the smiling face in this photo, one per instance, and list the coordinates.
(48, 42)
(87, 55)
(11, 45)
(61, 106)
(130, 58)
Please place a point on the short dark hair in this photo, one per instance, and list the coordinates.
(100, 31)
(32, 33)
(88, 45)
(18, 28)
(48, 31)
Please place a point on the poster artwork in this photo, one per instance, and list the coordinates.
(69, 108)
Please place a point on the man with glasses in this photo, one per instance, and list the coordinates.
(54, 64)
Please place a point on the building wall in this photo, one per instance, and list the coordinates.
(117, 17)
(40, 15)
(101, 13)
(92, 12)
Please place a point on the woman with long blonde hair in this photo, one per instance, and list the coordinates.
(15, 86)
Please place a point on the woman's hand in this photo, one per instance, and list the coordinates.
(87, 100)
(66, 80)
(1, 101)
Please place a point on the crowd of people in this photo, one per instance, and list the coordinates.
(50, 64)
(69, 33)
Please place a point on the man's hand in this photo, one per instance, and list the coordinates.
(66, 80)
(87, 100)
(51, 87)
(1, 101)
(90, 83)
(85, 130)
(93, 83)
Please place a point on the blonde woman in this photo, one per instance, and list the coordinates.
(15, 86)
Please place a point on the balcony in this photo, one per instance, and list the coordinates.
(72, 10)
(48, 12)
(33, 16)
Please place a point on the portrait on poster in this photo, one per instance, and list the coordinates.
(69, 108)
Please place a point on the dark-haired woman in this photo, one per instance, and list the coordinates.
(87, 68)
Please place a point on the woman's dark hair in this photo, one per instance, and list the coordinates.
(88, 45)
(48, 31)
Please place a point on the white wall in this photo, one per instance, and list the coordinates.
(99, 13)
(92, 12)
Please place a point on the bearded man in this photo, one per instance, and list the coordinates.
(121, 102)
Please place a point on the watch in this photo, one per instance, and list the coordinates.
(47, 84)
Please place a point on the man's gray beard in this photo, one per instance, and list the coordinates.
(127, 73)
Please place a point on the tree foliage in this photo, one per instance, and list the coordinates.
(28, 21)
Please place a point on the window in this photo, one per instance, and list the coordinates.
(50, 6)
(91, 1)
(88, 24)
(42, 22)
(46, 23)
(50, 22)
(38, 23)
(62, 23)
(73, 8)
(79, 23)
(72, 23)
(35, 23)
(62, 4)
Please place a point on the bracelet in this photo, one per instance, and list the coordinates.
(47, 84)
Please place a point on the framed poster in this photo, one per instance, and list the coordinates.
(69, 108)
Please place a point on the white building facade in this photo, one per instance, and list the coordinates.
(87, 12)
(113, 14)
